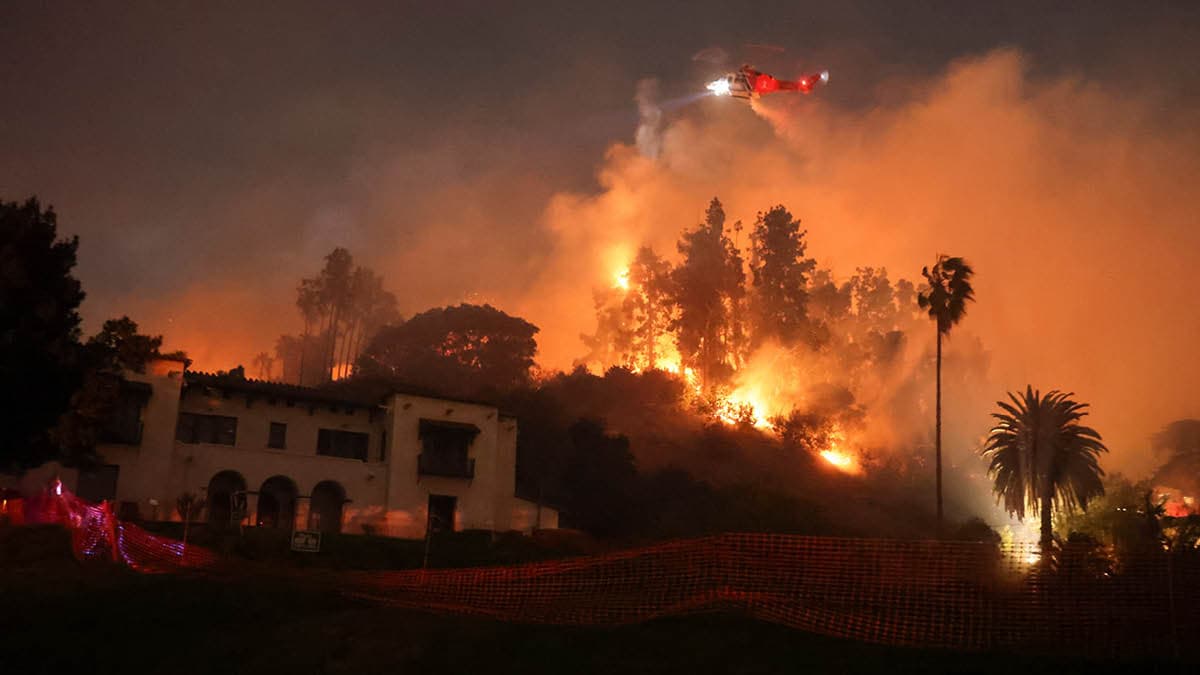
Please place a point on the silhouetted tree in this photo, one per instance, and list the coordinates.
(335, 283)
(39, 331)
(264, 364)
(780, 277)
(463, 349)
(647, 305)
(308, 301)
(612, 342)
(945, 296)
(708, 284)
(347, 304)
(542, 445)
(1040, 456)
(116, 349)
(1178, 444)
(875, 308)
(371, 308)
(600, 481)
(829, 306)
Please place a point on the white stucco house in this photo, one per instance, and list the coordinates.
(276, 455)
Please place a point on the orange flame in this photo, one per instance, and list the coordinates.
(839, 458)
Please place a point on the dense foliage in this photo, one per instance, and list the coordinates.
(39, 331)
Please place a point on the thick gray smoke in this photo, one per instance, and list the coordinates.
(650, 118)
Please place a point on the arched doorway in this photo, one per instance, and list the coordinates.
(226, 497)
(325, 509)
(277, 502)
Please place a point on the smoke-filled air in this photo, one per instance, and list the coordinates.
(1068, 198)
(762, 264)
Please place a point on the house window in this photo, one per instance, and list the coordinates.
(98, 484)
(445, 448)
(338, 443)
(197, 428)
(278, 436)
(124, 423)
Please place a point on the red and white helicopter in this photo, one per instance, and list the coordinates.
(747, 83)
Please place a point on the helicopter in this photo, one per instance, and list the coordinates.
(747, 83)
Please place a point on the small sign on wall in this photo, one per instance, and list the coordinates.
(306, 541)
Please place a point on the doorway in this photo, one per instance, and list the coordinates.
(441, 513)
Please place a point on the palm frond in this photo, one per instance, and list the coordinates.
(1038, 449)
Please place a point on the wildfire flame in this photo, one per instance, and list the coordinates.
(621, 279)
(839, 458)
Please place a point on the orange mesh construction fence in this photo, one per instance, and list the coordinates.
(962, 595)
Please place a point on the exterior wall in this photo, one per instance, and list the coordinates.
(195, 464)
(386, 494)
(408, 492)
(524, 516)
(144, 466)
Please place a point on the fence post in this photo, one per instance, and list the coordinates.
(111, 522)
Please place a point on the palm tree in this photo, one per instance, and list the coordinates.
(945, 296)
(1041, 456)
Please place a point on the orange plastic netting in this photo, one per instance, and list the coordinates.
(962, 595)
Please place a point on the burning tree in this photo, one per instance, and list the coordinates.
(708, 287)
(342, 308)
(780, 278)
(647, 306)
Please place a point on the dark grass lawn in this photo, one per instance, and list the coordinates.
(62, 618)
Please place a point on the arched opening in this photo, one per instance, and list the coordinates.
(226, 498)
(325, 509)
(277, 502)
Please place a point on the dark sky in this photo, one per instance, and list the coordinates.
(147, 123)
(208, 154)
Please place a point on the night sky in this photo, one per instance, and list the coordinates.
(208, 155)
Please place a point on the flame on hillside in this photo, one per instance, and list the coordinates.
(839, 458)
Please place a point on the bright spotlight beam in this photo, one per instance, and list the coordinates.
(719, 87)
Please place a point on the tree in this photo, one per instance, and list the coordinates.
(308, 303)
(458, 350)
(647, 305)
(1040, 456)
(39, 331)
(600, 481)
(265, 364)
(1179, 444)
(93, 413)
(612, 343)
(780, 277)
(347, 305)
(945, 297)
(708, 286)
(335, 287)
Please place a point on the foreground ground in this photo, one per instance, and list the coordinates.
(63, 618)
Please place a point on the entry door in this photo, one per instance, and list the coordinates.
(441, 513)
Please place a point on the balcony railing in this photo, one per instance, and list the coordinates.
(445, 466)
